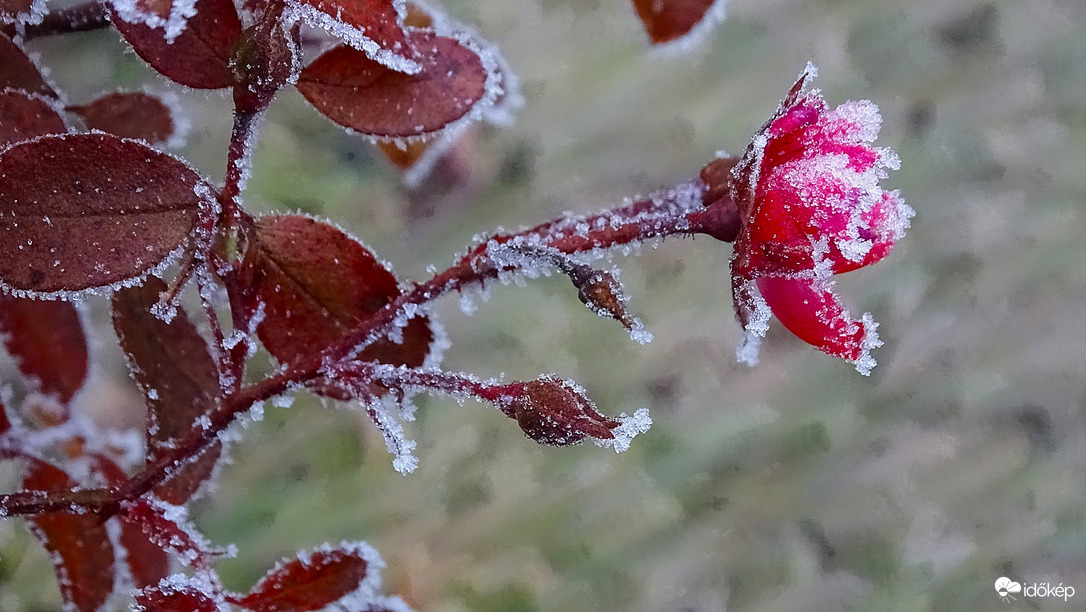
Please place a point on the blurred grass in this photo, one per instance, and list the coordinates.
(796, 485)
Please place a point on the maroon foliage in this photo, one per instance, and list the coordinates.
(108, 210)
(199, 56)
(358, 21)
(363, 95)
(177, 595)
(667, 20)
(18, 72)
(147, 561)
(313, 580)
(167, 526)
(317, 283)
(132, 115)
(171, 363)
(47, 340)
(24, 116)
(78, 543)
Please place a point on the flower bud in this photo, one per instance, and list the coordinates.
(555, 412)
(264, 61)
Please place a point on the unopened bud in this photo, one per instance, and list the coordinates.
(264, 61)
(601, 291)
(555, 412)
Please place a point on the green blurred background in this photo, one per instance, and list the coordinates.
(795, 485)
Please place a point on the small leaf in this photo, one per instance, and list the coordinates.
(168, 526)
(199, 55)
(78, 544)
(147, 562)
(47, 341)
(24, 116)
(17, 71)
(669, 20)
(367, 97)
(107, 212)
(373, 27)
(179, 379)
(314, 580)
(131, 115)
(317, 283)
(179, 593)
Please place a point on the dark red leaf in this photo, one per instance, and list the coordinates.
(24, 116)
(107, 211)
(78, 543)
(132, 115)
(317, 283)
(199, 56)
(178, 376)
(313, 580)
(367, 97)
(168, 527)
(47, 340)
(18, 72)
(668, 20)
(178, 594)
(147, 562)
(360, 23)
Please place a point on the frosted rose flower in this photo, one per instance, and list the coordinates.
(810, 206)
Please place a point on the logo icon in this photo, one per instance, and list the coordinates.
(1005, 587)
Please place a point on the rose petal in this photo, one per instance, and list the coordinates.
(811, 310)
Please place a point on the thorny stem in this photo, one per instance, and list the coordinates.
(670, 214)
(79, 18)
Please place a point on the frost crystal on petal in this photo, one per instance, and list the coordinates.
(811, 206)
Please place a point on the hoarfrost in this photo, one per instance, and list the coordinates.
(756, 328)
(283, 401)
(173, 25)
(639, 334)
(354, 37)
(630, 426)
(467, 303)
(182, 125)
(439, 344)
(871, 341)
(398, 445)
(33, 16)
